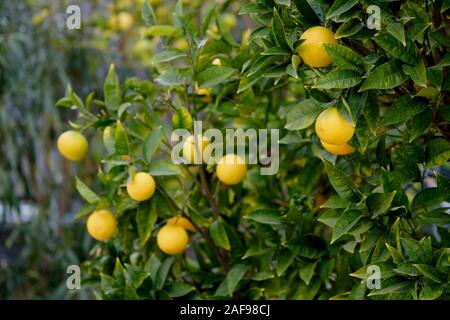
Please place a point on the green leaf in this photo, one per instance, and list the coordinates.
(163, 271)
(225, 32)
(174, 77)
(408, 269)
(111, 90)
(386, 76)
(335, 202)
(148, 15)
(278, 30)
(379, 203)
(215, 75)
(401, 110)
(406, 53)
(431, 292)
(109, 285)
(163, 31)
(417, 73)
(396, 256)
(420, 124)
(145, 220)
(348, 29)
(87, 194)
(339, 79)
(345, 223)
(431, 273)
(284, 260)
(219, 234)
(277, 51)
(121, 140)
(306, 11)
(414, 250)
(164, 168)
(340, 181)
(177, 290)
(303, 114)
(345, 58)
(229, 284)
(397, 30)
(167, 56)
(339, 7)
(307, 272)
(151, 143)
(398, 287)
(130, 293)
(438, 152)
(265, 216)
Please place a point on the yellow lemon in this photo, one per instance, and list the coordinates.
(338, 149)
(182, 222)
(332, 128)
(311, 50)
(172, 239)
(72, 145)
(193, 152)
(231, 169)
(141, 187)
(101, 225)
(122, 21)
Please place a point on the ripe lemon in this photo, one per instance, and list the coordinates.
(72, 145)
(122, 21)
(338, 149)
(194, 151)
(141, 187)
(182, 222)
(231, 169)
(172, 239)
(332, 128)
(101, 225)
(311, 50)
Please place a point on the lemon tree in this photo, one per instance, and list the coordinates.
(363, 178)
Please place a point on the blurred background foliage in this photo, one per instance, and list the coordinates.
(39, 57)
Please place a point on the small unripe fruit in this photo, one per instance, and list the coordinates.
(172, 239)
(141, 187)
(231, 169)
(72, 145)
(338, 149)
(182, 222)
(101, 225)
(332, 128)
(312, 50)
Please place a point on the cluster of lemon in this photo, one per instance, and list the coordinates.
(172, 238)
(332, 128)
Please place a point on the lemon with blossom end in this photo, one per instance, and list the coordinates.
(338, 149)
(101, 225)
(72, 145)
(172, 239)
(332, 128)
(141, 187)
(194, 151)
(182, 222)
(311, 50)
(231, 169)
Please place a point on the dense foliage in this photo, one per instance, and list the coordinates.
(312, 230)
